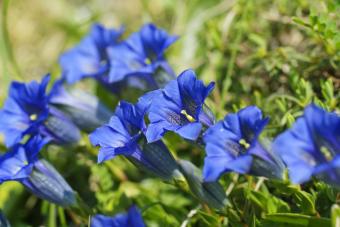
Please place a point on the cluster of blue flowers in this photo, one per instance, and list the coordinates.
(33, 117)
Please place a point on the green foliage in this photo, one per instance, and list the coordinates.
(279, 55)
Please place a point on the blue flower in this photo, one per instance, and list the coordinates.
(84, 109)
(124, 135)
(89, 58)
(133, 218)
(232, 145)
(142, 55)
(21, 164)
(312, 146)
(180, 107)
(26, 112)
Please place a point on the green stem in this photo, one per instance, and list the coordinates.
(62, 218)
(6, 40)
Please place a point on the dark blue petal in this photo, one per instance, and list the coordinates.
(84, 109)
(193, 92)
(131, 219)
(190, 131)
(17, 163)
(46, 183)
(140, 55)
(89, 58)
(24, 110)
(251, 122)
(311, 146)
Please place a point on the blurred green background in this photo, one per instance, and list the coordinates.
(279, 55)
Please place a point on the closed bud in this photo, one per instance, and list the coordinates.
(156, 159)
(210, 193)
(84, 109)
(46, 183)
(61, 128)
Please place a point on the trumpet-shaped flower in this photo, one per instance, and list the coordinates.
(21, 164)
(84, 109)
(26, 112)
(142, 55)
(231, 145)
(124, 135)
(180, 107)
(133, 218)
(89, 58)
(312, 146)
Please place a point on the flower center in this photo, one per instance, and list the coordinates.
(244, 143)
(327, 154)
(147, 61)
(188, 116)
(33, 117)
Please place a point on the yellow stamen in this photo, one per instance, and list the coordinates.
(188, 116)
(25, 163)
(147, 61)
(326, 153)
(33, 117)
(244, 143)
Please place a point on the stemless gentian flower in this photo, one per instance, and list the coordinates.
(142, 55)
(84, 109)
(124, 135)
(312, 146)
(89, 58)
(180, 107)
(133, 218)
(26, 112)
(21, 164)
(232, 145)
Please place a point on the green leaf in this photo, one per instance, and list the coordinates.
(298, 219)
(335, 215)
(305, 202)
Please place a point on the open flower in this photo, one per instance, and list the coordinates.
(180, 108)
(232, 145)
(89, 58)
(142, 55)
(21, 164)
(133, 218)
(124, 135)
(26, 112)
(312, 146)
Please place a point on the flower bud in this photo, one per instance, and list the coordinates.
(208, 192)
(84, 109)
(60, 128)
(156, 159)
(46, 183)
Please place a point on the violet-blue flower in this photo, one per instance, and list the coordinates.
(124, 135)
(180, 108)
(21, 164)
(133, 218)
(27, 112)
(232, 145)
(312, 146)
(142, 55)
(89, 58)
(84, 109)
